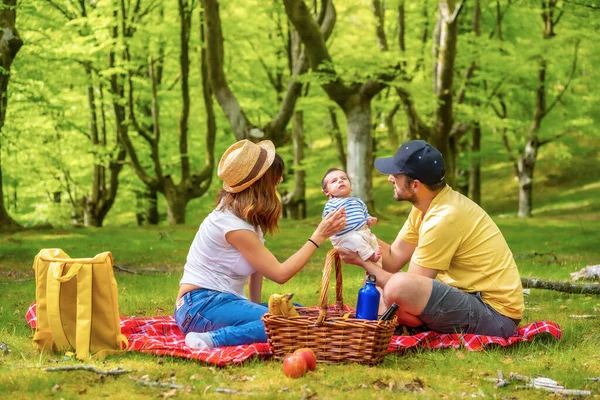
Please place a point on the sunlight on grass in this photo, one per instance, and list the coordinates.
(581, 189)
(572, 206)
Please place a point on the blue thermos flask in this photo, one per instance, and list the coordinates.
(368, 300)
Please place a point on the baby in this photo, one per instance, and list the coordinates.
(356, 236)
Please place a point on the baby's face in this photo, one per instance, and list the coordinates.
(338, 184)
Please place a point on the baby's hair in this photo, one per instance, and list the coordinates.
(330, 170)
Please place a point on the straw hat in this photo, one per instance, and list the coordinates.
(243, 163)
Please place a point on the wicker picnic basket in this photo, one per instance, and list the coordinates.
(334, 334)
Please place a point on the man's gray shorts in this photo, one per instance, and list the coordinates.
(450, 310)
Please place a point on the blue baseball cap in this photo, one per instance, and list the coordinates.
(416, 159)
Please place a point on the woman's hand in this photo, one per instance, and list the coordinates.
(330, 225)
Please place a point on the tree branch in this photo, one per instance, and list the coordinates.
(326, 18)
(264, 65)
(546, 141)
(508, 149)
(114, 371)
(573, 69)
(61, 10)
(240, 124)
(456, 12)
(460, 98)
(560, 14)
(460, 129)
(316, 50)
(567, 287)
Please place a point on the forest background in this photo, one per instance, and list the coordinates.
(115, 111)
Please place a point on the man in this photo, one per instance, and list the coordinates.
(448, 237)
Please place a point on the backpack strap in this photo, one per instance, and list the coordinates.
(84, 312)
(53, 306)
(42, 336)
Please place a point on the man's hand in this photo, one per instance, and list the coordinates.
(371, 221)
(350, 257)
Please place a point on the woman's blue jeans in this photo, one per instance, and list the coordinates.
(230, 319)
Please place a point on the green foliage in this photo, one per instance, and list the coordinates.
(45, 141)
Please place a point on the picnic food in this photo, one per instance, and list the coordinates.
(294, 366)
(309, 356)
(282, 305)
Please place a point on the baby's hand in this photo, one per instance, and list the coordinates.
(371, 221)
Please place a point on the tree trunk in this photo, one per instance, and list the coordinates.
(7, 224)
(443, 81)
(353, 99)
(295, 202)
(176, 203)
(469, 176)
(10, 44)
(475, 168)
(528, 158)
(336, 136)
(151, 206)
(99, 203)
(360, 150)
(391, 127)
(526, 166)
(192, 184)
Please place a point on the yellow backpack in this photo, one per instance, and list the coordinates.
(77, 305)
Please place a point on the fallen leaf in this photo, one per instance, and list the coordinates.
(170, 393)
(244, 378)
(379, 384)
(55, 388)
(206, 389)
(416, 385)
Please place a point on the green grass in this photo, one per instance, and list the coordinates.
(560, 239)
(566, 246)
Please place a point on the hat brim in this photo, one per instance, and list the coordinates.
(386, 166)
(270, 148)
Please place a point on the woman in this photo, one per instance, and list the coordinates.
(228, 251)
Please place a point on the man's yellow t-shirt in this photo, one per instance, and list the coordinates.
(460, 240)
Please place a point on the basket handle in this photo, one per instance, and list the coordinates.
(333, 258)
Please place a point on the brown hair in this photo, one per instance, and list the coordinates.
(258, 204)
(330, 170)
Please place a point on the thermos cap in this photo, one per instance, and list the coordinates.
(371, 278)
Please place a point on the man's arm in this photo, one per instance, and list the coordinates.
(419, 270)
(383, 276)
(396, 255)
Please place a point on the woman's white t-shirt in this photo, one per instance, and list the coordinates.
(213, 263)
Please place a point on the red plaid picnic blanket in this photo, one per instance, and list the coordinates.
(161, 335)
